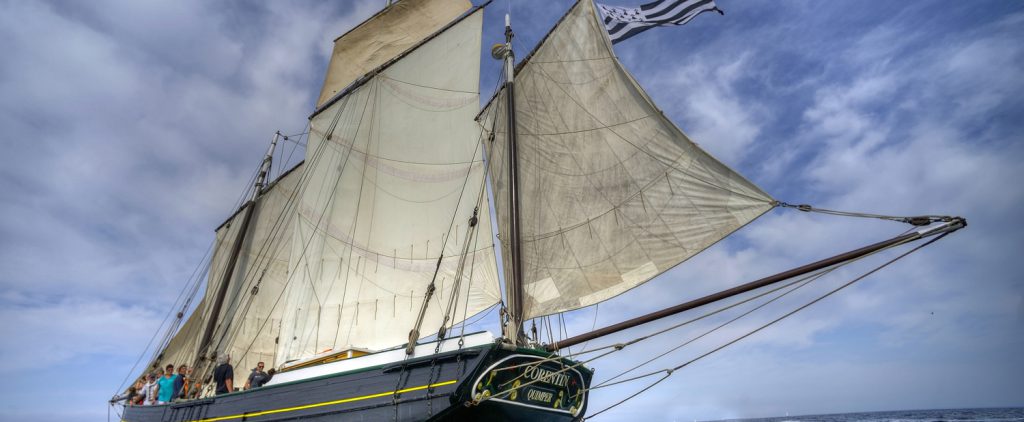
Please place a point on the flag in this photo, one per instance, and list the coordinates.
(625, 22)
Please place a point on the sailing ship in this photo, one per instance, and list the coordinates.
(355, 273)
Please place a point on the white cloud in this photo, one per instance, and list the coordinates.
(704, 95)
(46, 334)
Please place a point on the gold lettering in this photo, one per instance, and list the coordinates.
(539, 395)
(544, 375)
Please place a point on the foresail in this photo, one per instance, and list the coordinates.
(612, 193)
(384, 36)
(395, 174)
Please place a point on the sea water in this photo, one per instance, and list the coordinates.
(989, 414)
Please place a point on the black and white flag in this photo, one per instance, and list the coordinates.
(625, 22)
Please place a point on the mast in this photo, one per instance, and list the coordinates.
(236, 248)
(954, 224)
(513, 286)
(261, 180)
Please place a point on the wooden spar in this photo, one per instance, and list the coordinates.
(514, 286)
(236, 248)
(954, 224)
(225, 280)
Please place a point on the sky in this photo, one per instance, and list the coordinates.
(130, 128)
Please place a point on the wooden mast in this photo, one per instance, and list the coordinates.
(236, 249)
(514, 285)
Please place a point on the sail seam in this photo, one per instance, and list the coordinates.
(382, 76)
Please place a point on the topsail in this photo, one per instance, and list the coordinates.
(384, 36)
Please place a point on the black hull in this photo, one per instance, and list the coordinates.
(432, 388)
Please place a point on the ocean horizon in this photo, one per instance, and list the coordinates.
(1001, 414)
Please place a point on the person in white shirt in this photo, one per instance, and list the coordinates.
(150, 390)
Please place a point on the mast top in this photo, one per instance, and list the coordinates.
(261, 180)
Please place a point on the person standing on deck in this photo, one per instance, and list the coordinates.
(150, 390)
(179, 382)
(257, 378)
(136, 399)
(224, 375)
(166, 393)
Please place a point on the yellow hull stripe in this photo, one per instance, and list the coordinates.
(326, 403)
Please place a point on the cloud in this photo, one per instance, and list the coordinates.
(52, 333)
(704, 95)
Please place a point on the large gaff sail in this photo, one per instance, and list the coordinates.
(395, 174)
(611, 192)
(384, 36)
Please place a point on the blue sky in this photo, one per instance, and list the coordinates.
(129, 129)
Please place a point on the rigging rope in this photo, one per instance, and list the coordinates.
(193, 280)
(250, 277)
(261, 256)
(472, 231)
(668, 372)
(919, 220)
(296, 143)
(620, 346)
(460, 267)
(302, 184)
(802, 282)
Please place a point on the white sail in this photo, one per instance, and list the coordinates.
(248, 324)
(183, 347)
(251, 322)
(394, 176)
(612, 193)
(384, 36)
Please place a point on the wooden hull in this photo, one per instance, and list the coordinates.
(439, 387)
